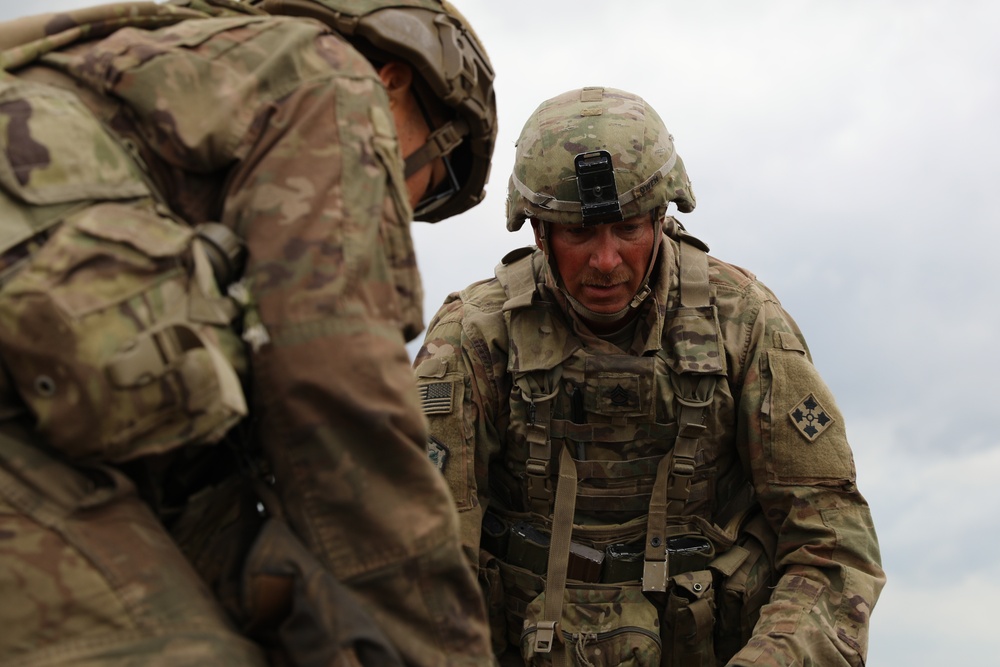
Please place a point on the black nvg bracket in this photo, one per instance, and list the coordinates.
(595, 176)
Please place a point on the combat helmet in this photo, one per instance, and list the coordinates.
(437, 41)
(595, 155)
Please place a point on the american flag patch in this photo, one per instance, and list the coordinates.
(436, 398)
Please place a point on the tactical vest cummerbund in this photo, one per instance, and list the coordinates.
(631, 461)
(616, 413)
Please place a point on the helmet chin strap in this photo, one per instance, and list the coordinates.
(641, 294)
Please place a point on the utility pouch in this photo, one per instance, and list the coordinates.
(747, 574)
(492, 587)
(117, 338)
(689, 620)
(601, 626)
(520, 588)
(496, 534)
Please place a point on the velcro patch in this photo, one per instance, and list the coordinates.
(810, 418)
(438, 453)
(435, 398)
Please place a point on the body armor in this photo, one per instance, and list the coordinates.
(658, 492)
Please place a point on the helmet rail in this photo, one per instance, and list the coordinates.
(567, 133)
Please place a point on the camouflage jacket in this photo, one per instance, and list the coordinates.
(827, 553)
(279, 129)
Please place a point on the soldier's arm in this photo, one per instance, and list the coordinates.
(320, 200)
(458, 385)
(803, 469)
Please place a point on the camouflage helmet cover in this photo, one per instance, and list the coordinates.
(647, 170)
(434, 38)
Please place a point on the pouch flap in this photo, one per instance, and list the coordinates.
(692, 341)
(53, 149)
(150, 234)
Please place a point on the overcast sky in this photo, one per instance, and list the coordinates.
(848, 153)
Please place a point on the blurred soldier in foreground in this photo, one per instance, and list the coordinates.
(207, 282)
(648, 468)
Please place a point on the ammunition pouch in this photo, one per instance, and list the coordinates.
(631, 628)
(619, 562)
(491, 582)
(606, 618)
(705, 616)
(688, 620)
(745, 576)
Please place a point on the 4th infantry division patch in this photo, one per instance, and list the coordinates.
(810, 418)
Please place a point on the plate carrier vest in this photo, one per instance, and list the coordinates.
(612, 461)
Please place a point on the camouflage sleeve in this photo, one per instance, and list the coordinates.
(334, 273)
(803, 470)
(315, 187)
(457, 371)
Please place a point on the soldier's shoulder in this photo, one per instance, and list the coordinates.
(729, 275)
(737, 281)
(479, 307)
(738, 293)
(484, 297)
(479, 299)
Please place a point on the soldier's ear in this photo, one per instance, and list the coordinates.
(538, 228)
(397, 77)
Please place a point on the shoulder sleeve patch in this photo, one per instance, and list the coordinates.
(438, 453)
(810, 418)
(807, 439)
(436, 398)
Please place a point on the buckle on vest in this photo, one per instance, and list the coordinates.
(691, 430)
(683, 466)
(539, 464)
(655, 576)
(545, 634)
(539, 486)
(537, 468)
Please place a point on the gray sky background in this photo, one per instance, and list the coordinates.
(849, 154)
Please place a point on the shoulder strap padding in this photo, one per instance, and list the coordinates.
(23, 40)
(539, 340)
(517, 273)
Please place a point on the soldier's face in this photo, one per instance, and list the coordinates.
(411, 127)
(413, 131)
(602, 266)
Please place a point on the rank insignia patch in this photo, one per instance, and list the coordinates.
(437, 453)
(435, 398)
(810, 418)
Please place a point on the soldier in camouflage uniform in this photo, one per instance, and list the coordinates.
(205, 215)
(647, 466)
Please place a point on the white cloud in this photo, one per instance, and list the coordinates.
(950, 621)
(934, 510)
